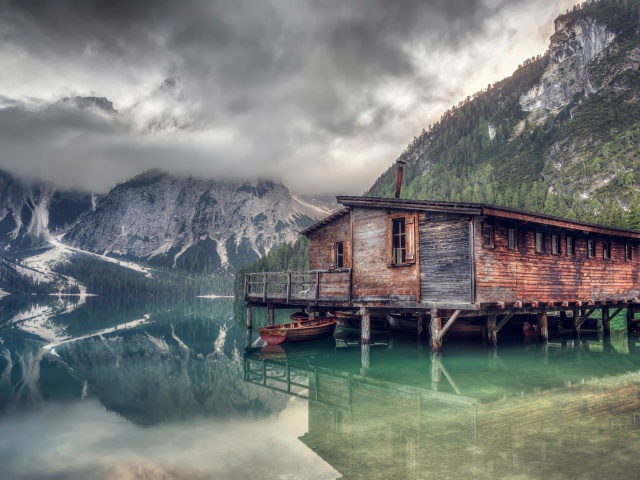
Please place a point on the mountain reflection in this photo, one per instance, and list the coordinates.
(183, 362)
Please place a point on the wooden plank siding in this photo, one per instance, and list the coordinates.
(372, 274)
(445, 258)
(523, 274)
(324, 239)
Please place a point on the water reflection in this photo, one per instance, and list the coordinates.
(566, 409)
(139, 389)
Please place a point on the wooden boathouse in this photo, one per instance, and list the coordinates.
(445, 260)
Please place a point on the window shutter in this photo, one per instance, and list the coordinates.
(347, 254)
(410, 235)
(331, 256)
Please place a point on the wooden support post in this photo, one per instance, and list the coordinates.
(435, 327)
(365, 328)
(492, 334)
(264, 287)
(436, 372)
(364, 357)
(543, 326)
(288, 287)
(576, 322)
(563, 319)
(422, 333)
(270, 314)
(249, 316)
(606, 321)
(630, 317)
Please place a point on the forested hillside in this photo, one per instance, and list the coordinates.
(560, 136)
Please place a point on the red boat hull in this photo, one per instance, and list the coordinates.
(304, 331)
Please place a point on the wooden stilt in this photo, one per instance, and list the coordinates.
(365, 328)
(436, 326)
(249, 316)
(436, 372)
(606, 321)
(364, 357)
(563, 320)
(543, 326)
(270, 314)
(576, 322)
(422, 333)
(492, 334)
(630, 317)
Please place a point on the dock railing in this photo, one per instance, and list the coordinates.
(299, 287)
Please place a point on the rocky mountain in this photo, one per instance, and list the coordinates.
(193, 224)
(31, 213)
(186, 225)
(559, 136)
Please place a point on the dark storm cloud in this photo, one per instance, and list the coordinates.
(284, 79)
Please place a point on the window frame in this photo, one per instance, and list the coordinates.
(628, 252)
(410, 220)
(558, 248)
(491, 235)
(591, 247)
(513, 248)
(543, 241)
(570, 252)
(339, 256)
(606, 252)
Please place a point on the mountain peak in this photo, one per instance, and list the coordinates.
(84, 103)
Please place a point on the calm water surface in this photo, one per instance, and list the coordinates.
(130, 390)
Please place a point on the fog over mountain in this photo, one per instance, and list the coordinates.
(321, 96)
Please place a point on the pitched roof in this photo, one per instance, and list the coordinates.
(469, 209)
(333, 216)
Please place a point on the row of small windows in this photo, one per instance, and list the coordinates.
(541, 243)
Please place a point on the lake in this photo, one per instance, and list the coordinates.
(131, 389)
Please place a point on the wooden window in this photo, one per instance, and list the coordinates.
(540, 247)
(570, 246)
(628, 252)
(401, 239)
(331, 257)
(487, 235)
(555, 245)
(339, 254)
(606, 249)
(513, 239)
(591, 248)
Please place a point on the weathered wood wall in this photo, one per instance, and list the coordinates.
(445, 258)
(522, 274)
(324, 238)
(372, 276)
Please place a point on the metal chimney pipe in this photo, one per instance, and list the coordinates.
(401, 164)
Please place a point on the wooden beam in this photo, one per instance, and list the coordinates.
(587, 315)
(450, 322)
(617, 311)
(504, 320)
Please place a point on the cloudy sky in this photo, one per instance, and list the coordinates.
(322, 95)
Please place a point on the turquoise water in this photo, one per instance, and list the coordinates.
(137, 390)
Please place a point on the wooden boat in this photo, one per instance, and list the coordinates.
(299, 316)
(302, 331)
